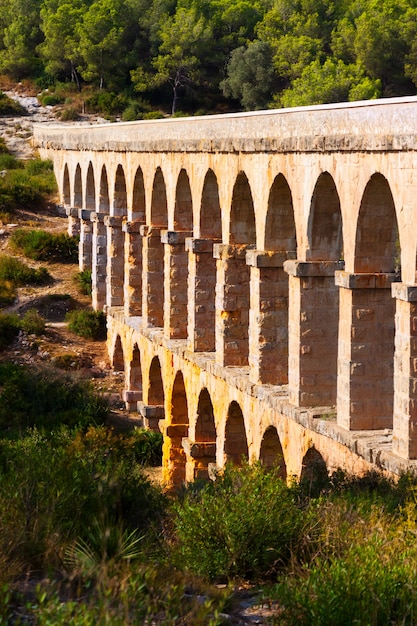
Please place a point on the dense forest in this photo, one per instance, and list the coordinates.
(200, 56)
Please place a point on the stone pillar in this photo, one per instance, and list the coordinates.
(268, 318)
(404, 435)
(173, 455)
(99, 262)
(175, 284)
(200, 456)
(232, 305)
(85, 246)
(153, 416)
(366, 351)
(133, 269)
(312, 328)
(73, 222)
(152, 276)
(115, 261)
(201, 295)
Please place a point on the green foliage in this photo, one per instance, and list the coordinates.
(9, 107)
(87, 324)
(25, 185)
(9, 328)
(16, 271)
(45, 246)
(42, 397)
(83, 282)
(68, 114)
(250, 75)
(33, 323)
(330, 82)
(244, 524)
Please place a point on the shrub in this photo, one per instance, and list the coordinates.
(83, 282)
(44, 246)
(69, 114)
(44, 397)
(33, 323)
(9, 107)
(17, 272)
(87, 324)
(9, 328)
(243, 524)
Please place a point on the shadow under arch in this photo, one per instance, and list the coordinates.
(314, 475)
(183, 209)
(271, 454)
(138, 200)
(90, 191)
(66, 187)
(325, 221)
(177, 429)
(205, 436)
(104, 201)
(120, 194)
(78, 188)
(135, 372)
(235, 442)
(280, 233)
(118, 361)
(156, 396)
(210, 212)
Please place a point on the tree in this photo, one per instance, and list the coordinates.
(21, 35)
(186, 39)
(60, 49)
(331, 82)
(250, 75)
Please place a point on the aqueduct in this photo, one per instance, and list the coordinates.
(258, 272)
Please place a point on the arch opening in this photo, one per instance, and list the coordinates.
(235, 442)
(78, 189)
(210, 212)
(104, 202)
(138, 200)
(242, 215)
(271, 454)
(183, 210)
(90, 193)
(159, 211)
(325, 221)
(66, 187)
(118, 361)
(280, 232)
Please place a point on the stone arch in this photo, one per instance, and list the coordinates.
(104, 201)
(325, 221)
(313, 468)
(177, 430)
(280, 234)
(90, 190)
(210, 212)
(271, 453)
(367, 328)
(183, 210)
(138, 200)
(120, 194)
(242, 215)
(118, 359)
(376, 244)
(159, 213)
(235, 442)
(156, 388)
(66, 187)
(78, 188)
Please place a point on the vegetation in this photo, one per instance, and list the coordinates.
(87, 324)
(42, 245)
(83, 281)
(15, 273)
(24, 185)
(130, 57)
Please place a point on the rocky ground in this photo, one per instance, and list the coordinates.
(88, 358)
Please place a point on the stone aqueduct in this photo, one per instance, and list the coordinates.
(258, 272)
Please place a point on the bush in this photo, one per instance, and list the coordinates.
(44, 397)
(244, 524)
(33, 323)
(17, 272)
(87, 324)
(9, 328)
(69, 114)
(83, 282)
(44, 246)
(9, 107)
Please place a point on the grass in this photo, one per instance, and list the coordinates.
(26, 185)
